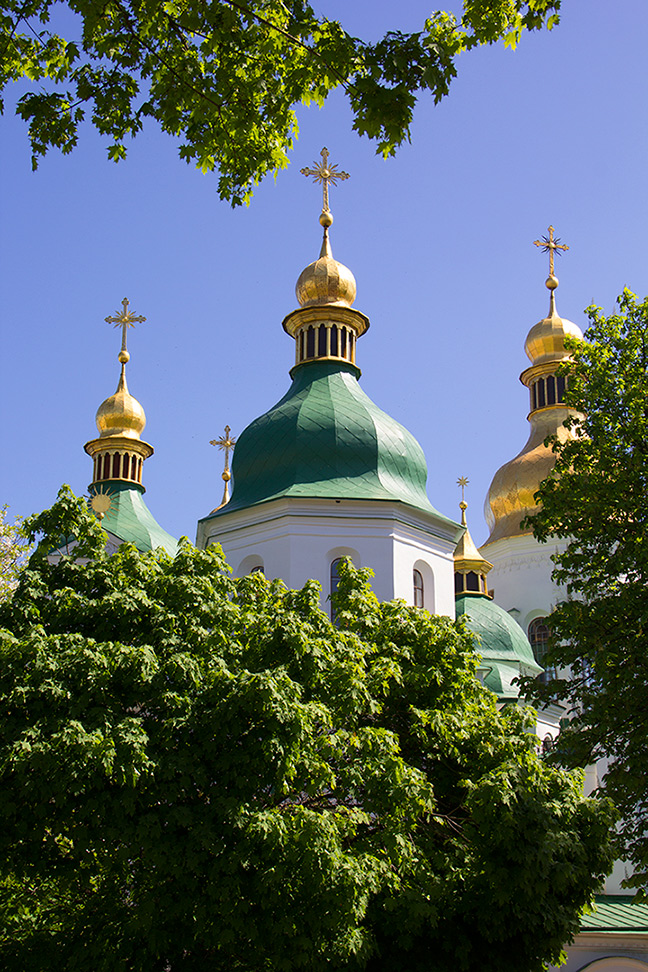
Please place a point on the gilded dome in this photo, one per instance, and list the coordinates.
(326, 281)
(511, 495)
(545, 341)
(121, 414)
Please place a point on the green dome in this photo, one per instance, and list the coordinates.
(327, 439)
(504, 648)
(130, 520)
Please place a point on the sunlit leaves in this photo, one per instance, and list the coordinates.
(595, 503)
(201, 772)
(224, 77)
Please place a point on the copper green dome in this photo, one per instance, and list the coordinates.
(129, 519)
(504, 648)
(327, 439)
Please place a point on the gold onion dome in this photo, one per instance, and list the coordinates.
(545, 341)
(121, 414)
(511, 495)
(326, 281)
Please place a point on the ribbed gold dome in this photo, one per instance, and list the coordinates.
(545, 341)
(326, 281)
(510, 497)
(121, 414)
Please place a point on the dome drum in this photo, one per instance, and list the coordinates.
(324, 333)
(118, 459)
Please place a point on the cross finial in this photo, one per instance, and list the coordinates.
(549, 245)
(226, 442)
(463, 506)
(124, 319)
(325, 172)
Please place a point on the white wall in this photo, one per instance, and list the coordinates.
(296, 540)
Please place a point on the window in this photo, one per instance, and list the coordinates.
(321, 341)
(310, 342)
(541, 393)
(334, 342)
(335, 580)
(417, 579)
(539, 634)
(472, 581)
(257, 570)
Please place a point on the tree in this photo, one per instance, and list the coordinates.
(204, 773)
(13, 552)
(225, 75)
(595, 501)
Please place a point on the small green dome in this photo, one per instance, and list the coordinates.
(327, 439)
(504, 647)
(130, 520)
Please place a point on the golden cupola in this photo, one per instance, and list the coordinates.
(325, 326)
(119, 452)
(469, 565)
(511, 495)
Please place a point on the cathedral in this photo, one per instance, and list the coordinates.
(326, 474)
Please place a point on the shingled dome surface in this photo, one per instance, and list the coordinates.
(327, 439)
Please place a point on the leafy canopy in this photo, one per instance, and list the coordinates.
(198, 772)
(596, 501)
(224, 76)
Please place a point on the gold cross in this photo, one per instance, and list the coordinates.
(324, 172)
(125, 319)
(226, 442)
(549, 245)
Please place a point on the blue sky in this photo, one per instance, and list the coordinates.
(439, 239)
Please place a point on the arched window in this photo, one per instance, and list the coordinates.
(335, 580)
(419, 591)
(321, 341)
(258, 569)
(539, 634)
(310, 342)
(472, 581)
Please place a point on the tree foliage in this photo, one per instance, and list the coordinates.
(14, 550)
(595, 501)
(198, 772)
(224, 76)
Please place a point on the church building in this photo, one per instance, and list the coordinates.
(326, 474)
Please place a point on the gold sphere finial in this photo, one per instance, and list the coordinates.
(326, 218)
(551, 282)
(463, 506)
(123, 357)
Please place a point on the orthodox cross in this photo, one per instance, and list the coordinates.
(549, 245)
(325, 172)
(125, 319)
(226, 442)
